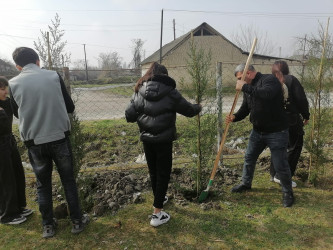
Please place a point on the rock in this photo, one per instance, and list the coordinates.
(61, 211)
(113, 205)
(141, 159)
(137, 198)
(128, 189)
(98, 210)
(132, 177)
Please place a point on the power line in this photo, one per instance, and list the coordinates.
(277, 14)
(60, 10)
(281, 14)
(95, 45)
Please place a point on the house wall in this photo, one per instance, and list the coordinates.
(221, 51)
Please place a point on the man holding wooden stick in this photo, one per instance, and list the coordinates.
(263, 100)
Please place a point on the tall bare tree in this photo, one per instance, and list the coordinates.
(137, 50)
(109, 61)
(244, 36)
(59, 57)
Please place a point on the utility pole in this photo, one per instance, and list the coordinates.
(161, 37)
(174, 29)
(85, 61)
(49, 51)
(63, 61)
(303, 59)
(280, 52)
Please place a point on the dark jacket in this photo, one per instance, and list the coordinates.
(263, 100)
(6, 118)
(297, 103)
(154, 108)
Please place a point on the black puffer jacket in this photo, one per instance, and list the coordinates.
(263, 100)
(154, 108)
(6, 118)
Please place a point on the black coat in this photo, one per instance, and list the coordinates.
(263, 100)
(297, 102)
(154, 108)
(6, 118)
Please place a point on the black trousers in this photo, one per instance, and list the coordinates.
(159, 160)
(12, 180)
(295, 145)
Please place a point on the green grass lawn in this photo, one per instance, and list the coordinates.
(253, 220)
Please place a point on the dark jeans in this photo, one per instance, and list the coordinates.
(277, 143)
(295, 145)
(12, 180)
(159, 160)
(41, 157)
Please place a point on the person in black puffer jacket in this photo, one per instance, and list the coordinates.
(154, 106)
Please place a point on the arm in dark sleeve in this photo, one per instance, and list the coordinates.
(184, 107)
(5, 123)
(243, 110)
(131, 114)
(13, 104)
(300, 99)
(269, 88)
(70, 107)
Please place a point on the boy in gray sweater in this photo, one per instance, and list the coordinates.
(41, 102)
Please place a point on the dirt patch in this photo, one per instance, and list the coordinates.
(110, 191)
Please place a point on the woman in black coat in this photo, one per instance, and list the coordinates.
(12, 179)
(154, 106)
(297, 108)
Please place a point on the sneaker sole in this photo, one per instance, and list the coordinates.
(27, 214)
(16, 222)
(293, 184)
(162, 222)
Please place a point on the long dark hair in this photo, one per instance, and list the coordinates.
(154, 69)
(280, 66)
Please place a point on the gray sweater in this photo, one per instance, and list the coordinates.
(40, 104)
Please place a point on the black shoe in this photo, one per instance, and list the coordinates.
(288, 199)
(16, 220)
(49, 230)
(79, 225)
(240, 188)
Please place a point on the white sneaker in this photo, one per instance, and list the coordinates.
(276, 180)
(293, 184)
(159, 219)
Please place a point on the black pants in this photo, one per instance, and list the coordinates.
(295, 145)
(159, 160)
(12, 180)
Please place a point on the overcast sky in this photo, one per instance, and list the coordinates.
(110, 25)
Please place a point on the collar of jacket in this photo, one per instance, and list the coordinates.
(30, 66)
(256, 78)
(167, 80)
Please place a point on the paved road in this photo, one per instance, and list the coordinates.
(94, 103)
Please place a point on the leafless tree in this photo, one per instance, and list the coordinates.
(137, 50)
(244, 36)
(59, 57)
(109, 61)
